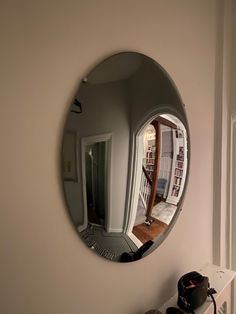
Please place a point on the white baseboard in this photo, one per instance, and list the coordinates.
(136, 241)
(116, 230)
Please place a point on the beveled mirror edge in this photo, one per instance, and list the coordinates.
(162, 109)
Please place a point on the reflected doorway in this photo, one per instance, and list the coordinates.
(162, 176)
(96, 165)
(95, 169)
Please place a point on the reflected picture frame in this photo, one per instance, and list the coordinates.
(69, 157)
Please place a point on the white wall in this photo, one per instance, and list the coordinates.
(46, 48)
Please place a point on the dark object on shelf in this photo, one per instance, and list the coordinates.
(173, 310)
(193, 289)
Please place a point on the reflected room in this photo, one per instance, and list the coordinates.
(125, 157)
(162, 178)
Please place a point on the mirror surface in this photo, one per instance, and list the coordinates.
(125, 157)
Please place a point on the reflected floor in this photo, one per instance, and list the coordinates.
(107, 244)
(145, 233)
(162, 211)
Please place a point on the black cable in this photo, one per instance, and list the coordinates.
(210, 293)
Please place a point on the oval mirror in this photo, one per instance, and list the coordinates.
(125, 157)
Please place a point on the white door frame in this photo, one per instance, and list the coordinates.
(232, 221)
(135, 161)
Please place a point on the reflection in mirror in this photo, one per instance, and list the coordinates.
(162, 176)
(125, 157)
(96, 158)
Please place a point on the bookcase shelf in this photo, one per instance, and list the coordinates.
(179, 165)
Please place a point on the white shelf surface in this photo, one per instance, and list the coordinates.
(219, 278)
